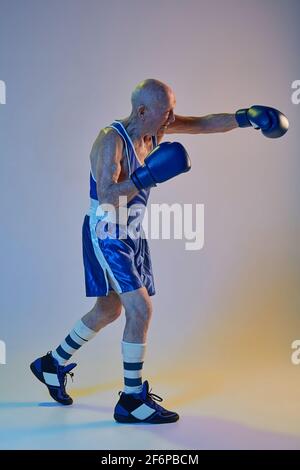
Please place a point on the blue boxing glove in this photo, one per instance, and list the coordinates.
(270, 121)
(166, 161)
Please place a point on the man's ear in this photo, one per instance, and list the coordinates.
(141, 111)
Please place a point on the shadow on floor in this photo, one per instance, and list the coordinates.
(190, 432)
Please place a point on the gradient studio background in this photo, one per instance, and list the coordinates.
(219, 348)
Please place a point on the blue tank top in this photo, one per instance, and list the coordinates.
(133, 162)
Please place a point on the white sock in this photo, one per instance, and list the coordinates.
(133, 359)
(80, 335)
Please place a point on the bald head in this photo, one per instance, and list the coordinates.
(150, 93)
(153, 105)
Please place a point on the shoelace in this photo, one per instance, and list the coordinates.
(153, 398)
(62, 376)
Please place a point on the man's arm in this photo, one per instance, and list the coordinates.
(166, 162)
(202, 124)
(108, 172)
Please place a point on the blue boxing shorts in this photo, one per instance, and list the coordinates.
(124, 260)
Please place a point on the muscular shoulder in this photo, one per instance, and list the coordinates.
(107, 150)
(109, 140)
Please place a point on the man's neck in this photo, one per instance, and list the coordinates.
(134, 130)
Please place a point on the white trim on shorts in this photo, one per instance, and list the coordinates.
(97, 250)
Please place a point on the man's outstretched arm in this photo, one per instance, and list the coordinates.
(202, 124)
(270, 121)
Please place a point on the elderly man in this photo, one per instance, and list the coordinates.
(127, 159)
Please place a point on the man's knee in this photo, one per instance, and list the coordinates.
(139, 314)
(139, 309)
(109, 307)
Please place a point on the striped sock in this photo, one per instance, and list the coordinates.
(80, 335)
(133, 359)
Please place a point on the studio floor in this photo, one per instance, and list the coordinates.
(252, 413)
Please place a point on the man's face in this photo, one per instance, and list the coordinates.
(161, 114)
(166, 115)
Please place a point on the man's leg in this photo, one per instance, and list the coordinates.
(51, 369)
(106, 310)
(137, 403)
(138, 311)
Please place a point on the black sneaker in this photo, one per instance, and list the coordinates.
(142, 408)
(54, 376)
